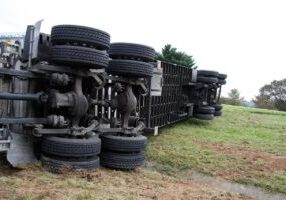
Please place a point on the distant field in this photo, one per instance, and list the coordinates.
(245, 145)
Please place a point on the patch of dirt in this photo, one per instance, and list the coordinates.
(33, 181)
(220, 183)
(253, 160)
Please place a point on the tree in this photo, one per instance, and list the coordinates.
(264, 102)
(170, 54)
(233, 98)
(273, 94)
(234, 94)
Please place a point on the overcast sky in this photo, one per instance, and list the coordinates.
(245, 39)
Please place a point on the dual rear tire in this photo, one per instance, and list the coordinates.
(61, 154)
(208, 77)
(204, 112)
(218, 109)
(131, 60)
(211, 77)
(123, 152)
(82, 46)
(208, 112)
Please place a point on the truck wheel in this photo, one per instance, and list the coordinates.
(71, 147)
(204, 116)
(78, 56)
(205, 110)
(207, 73)
(129, 50)
(222, 81)
(130, 68)
(218, 113)
(61, 165)
(122, 160)
(217, 107)
(204, 79)
(222, 76)
(123, 144)
(63, 34)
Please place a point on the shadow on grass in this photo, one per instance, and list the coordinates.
(197, 122)
(190, 121)
(9, 170)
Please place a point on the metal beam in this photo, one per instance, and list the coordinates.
(21, 96)
(23, 121)
(13, 72)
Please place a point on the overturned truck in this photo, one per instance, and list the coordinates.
(73, 100)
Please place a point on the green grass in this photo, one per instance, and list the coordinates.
(79, 183)
(185, 145)
(274, 182)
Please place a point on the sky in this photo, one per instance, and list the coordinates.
(246, 39)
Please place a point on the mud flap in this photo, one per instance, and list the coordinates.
(21, 150)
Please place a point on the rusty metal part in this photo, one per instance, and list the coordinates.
(57, 121)
(99, 80)
(126, 131)
(126, 104)
(58, 100)
(118, 87)
(75, 131)
(77, 103)
(58, 79)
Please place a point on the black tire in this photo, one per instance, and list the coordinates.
(124, 144)
(207, 79)
(129, 50)
(63, 34)
(207, 73)
(222, 81)
(71, 147)
(205, 110)
(222, 76)
(130, 68)
(78, 56)
(122, 160)
(204, 116)
(218, 113)
(60, 166)
(217, 107)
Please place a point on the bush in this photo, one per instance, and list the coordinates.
(230, 101)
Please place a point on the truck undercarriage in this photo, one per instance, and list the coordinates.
(70, 98)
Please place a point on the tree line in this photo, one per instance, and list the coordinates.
(271, 96)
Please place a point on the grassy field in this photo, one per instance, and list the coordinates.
(31, 182)
(245, 145)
